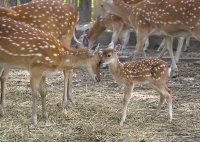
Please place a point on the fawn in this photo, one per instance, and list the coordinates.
(151, 71)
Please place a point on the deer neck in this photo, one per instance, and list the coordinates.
(115, 67)
(95, 31)
(72, 58)
(122, 9)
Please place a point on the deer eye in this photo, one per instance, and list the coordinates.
(108, 55)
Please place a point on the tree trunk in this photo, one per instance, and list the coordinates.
(85, 8)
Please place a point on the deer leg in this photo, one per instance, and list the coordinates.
(4, 78)
(166, 92)
(43, 93)
(162, 98)
(35, 86)
(69, 90)
(67, 87)
(162, 45)
(174, 68)
(179, 48)
(126, 100)
(116, 33)
(1, 107)
(125, 38)
(163, 51)
(146, 44)
(187, 44)
(142, 35)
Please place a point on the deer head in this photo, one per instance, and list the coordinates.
(110, 54)
(93, 65)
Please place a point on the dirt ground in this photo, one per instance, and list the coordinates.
(94, 114)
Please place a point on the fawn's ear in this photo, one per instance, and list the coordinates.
(118, 47)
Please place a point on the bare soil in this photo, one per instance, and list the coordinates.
(94, 114)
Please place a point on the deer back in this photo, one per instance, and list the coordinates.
(54, 17)
(24, 46)
(170, 15)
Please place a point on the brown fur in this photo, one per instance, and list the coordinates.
(151, 71)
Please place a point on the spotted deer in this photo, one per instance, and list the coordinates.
(53, 17)
(166, 17)
(40, 53)
(111, 22)
(153, 72)
(124, 35)
(108, 21)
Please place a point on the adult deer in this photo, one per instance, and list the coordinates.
(169, 18)
(40, 53)
(53, 17)
(121, 31)
(154, 72)
(111, 22)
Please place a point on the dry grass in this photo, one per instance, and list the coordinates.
(95, 112)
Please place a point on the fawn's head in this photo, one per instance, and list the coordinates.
(93, 62)
(109, 55)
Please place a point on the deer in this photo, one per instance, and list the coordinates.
(121, 31)
(152, 71)
(54, 17)
(158, 17)
(112, 22)
(40, 53)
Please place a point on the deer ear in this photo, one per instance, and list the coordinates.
(111, 45)
(93, 50)
(118, 47)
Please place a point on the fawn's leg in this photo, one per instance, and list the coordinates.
(169, 101)
(127, 97)
(43, 93)
(162, 98)
(167, 93)
(36, 77)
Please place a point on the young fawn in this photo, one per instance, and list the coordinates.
(151, 71)
(40, 53)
